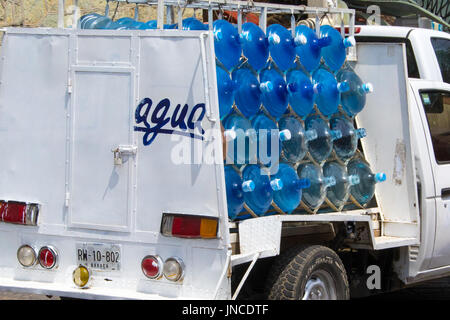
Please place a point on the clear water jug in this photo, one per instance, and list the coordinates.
(295, 148)
(315, 194)
(339, 193)
(363, 191)
(321, 147)
(345, 146)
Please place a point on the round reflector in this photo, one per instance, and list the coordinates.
(173, 269)
(47, 257)
(26, 256)
(151, 266)
(81, 276)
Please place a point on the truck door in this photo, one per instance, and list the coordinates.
(433, 100)
(102, 152)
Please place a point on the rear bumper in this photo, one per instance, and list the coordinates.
(91, 293)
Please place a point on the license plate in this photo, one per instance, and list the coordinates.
(99, 257)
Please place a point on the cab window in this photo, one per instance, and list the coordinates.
(441, 48)
(437, 109)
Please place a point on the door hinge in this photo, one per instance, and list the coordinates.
(67, 199)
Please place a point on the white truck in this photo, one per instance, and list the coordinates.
(102, 198)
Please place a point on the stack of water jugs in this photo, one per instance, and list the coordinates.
(291, 92)
(297, 90)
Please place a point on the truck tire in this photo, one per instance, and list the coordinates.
(308, 272)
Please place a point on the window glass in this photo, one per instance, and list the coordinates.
(442, 49)
(437, 108)
(413, 71)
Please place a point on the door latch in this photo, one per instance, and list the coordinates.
(123, 150)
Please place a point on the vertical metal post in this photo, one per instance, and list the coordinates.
(180, 18)
(160, 21)
(317, 21)
(61, 7)
(107, 8)
(169, 14)
(239, 19)
(263, 19)
(136, 12)
(293, 24)
(210, 18)
(76, 15)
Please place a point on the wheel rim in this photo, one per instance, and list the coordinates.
(320, 286)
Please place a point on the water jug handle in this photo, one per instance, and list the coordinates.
(276, 184)
(248, 186)
(361, 133)
(329, 181)
(302, 184)
(274, 39)
(353, 179)
(310, 134)
(266, 86)
(349, 42)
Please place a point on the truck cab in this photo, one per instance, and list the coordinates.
(428, 66)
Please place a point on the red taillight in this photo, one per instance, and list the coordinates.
(19, 212)
(152, 266)
(347, 30)
(47, 257)
(15, 212)
(189, 226)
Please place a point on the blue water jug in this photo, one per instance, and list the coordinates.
(192, 23)
(315, 194)
(301, 98)
(255, 45)
(235, 188)
(321, 147)
(260, 199)
(226, 88)
(334, 54)
(153, 24)
(268, 134)
(126, 21)
(346, 145)
(274, 92)
(227, 43)
(295, 148)
(247, 97)
(328, 91)
(353, 100)
(365, 189)
(240, 138)
(309, 47)
(339, 193)
(288, 198)
(281, 46)
(85, 18)
(101, 22)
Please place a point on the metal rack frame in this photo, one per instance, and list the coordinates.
(241, 7)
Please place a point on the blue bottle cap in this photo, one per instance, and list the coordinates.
(380, 177)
